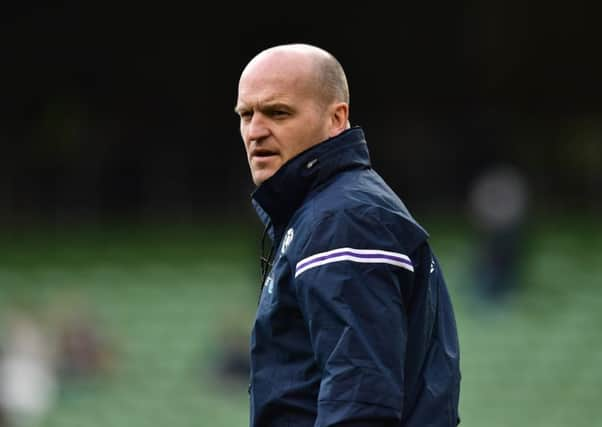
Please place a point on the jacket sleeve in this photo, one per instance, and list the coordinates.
(350, 280)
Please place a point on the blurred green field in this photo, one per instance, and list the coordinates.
(170, 298)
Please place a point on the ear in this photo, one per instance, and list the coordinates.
(339, 118)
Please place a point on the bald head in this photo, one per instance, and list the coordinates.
(313, 67)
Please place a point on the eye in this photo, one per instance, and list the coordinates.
(279, 113)
(245, 114)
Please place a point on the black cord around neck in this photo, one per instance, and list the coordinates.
(265, 260)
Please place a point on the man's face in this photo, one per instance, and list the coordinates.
(280, 114)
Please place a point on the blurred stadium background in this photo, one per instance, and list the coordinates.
(129, 251)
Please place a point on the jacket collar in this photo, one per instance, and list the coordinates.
(276, 199)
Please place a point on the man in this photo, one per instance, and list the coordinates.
(354, 326)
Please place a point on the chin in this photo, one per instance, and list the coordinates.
(262, 176)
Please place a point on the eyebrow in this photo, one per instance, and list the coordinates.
(266, 105)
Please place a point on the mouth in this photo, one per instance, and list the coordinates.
(261, 153)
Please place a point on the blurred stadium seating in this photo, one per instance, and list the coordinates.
(166, 301)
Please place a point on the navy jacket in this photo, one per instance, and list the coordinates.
(354, 326)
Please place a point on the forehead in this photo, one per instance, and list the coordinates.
(275, 79)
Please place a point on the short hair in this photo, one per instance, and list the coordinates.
(332, 79)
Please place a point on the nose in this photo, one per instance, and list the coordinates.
(256, 129)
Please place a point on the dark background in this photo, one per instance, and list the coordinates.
(121, 111)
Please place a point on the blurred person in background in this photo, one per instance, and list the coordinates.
(28, 383)
(232, 356)
(498, 207)
(84, 353)
(355, 326)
